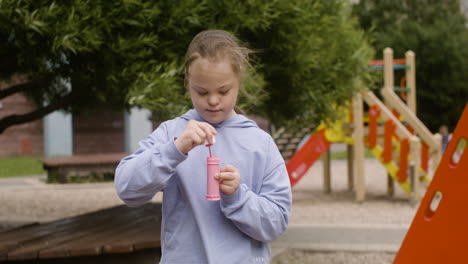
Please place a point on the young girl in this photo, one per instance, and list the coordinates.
(254, 187)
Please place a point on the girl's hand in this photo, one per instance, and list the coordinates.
(229, 179)
(194, 134)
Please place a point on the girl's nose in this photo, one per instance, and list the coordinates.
(213, 100)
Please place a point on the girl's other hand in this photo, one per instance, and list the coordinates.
(229, 179)
(194, 134)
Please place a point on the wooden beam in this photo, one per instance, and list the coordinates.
(410, 117)
(386, 114)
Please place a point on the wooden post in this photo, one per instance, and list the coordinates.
(390, 186)
(415, 154)
(437, 154)
(327, 171)
(388, 86)
(358, 134)
(350, 157)
(411, 80)
(388, 69)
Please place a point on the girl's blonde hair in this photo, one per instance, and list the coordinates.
(215, 45)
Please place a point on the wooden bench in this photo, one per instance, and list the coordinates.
(62, 168)
(119, 229)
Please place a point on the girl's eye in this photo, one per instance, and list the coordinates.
(224, 92)
(202, 93)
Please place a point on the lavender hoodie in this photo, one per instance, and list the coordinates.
(235, 229)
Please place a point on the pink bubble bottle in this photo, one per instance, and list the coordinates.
(212, 185)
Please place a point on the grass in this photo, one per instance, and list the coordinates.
(20, 166)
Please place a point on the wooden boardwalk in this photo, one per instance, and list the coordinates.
(115, 230)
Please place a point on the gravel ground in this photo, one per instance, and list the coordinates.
(28, 199)
(311, 205)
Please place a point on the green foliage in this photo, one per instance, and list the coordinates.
(437, 33)
(315, 56)
(20, 166)
(310, 54)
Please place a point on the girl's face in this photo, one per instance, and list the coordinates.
(213, 87)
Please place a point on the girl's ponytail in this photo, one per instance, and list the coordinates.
(238, 110)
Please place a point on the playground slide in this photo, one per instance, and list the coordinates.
(307, 155)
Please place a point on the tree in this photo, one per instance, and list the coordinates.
(97, 46)
(436, 32)
(130, 53)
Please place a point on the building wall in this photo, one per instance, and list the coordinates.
(24, 139)
(100, 132)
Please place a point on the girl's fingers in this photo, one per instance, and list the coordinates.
(210, 128)
(201, 135)
(229, 179)
(205, 131)
(196, 140)
(209, 132)
(228, 189)
(229, 183)
(226, 176)
(195, 134)
(228, 168)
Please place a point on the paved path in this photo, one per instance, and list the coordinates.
(342, 238)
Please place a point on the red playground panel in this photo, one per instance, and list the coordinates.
(306, 156)
(439, 232)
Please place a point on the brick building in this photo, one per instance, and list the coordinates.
(97, 132)
(24, 139)
(100, 132)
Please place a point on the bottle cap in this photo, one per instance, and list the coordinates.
(208, 144)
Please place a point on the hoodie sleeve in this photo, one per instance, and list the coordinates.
(141, 175)
(263, 216)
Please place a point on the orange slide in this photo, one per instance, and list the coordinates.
(439, 232)
(307, 155)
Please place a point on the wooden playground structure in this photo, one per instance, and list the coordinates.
(394, 135)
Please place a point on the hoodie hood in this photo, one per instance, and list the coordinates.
(237, 120)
